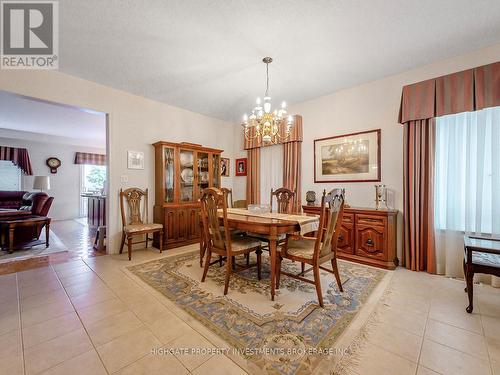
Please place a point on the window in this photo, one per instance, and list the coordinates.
(10, 176)
(467, 172)
(92, 182)
(271, 171)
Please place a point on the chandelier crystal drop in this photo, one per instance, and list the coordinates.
(265, 124)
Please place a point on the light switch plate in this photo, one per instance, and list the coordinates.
(124, 178)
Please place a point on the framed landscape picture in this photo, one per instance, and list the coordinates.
(348, 158)
(241, 167)
(224, 167)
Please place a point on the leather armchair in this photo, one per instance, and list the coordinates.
(38, 203)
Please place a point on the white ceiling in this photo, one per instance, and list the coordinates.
(205, 55)
(69, 124)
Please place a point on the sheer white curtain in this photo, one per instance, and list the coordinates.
(467, 183)
(271, 171)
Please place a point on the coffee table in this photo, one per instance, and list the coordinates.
(7, 213)
(8, 227)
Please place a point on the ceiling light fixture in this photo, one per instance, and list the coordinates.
(269, 126)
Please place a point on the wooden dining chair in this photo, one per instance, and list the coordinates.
(316, 251)
(284, 199)
(229, 196)
(218, 238)
(134, 212)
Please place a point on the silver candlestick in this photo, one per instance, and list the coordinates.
(380, 196)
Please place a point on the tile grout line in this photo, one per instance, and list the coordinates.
(423, 335)
(159, 301)
(20, 322)
(81, 322)
(144, 325)
(485, 339)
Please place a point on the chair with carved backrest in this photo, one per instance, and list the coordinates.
(284, 198)
(323, 248)
(134, 212)
(229, 196)
(218, 237)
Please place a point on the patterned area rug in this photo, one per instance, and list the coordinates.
(288, 336)
(56, 246)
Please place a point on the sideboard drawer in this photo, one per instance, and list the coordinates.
(348, 218)
(362, 219)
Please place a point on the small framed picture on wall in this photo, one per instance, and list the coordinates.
(241, 167)
(224, 167)
(135, 160)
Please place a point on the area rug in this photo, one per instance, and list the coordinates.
(290, 335)
(55, 246)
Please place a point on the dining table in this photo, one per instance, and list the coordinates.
(270, 224)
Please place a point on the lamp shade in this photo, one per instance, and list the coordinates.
(41, 182)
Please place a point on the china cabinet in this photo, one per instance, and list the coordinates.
(182, 171)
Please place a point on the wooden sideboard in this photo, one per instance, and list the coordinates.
(367, 235)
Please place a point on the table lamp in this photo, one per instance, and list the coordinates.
(42, 183)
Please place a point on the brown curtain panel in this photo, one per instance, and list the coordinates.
(90, 159)
(292, 161)
(468, 90)
(18, 156)
(418, 195)
(253, 176)
(292, 171)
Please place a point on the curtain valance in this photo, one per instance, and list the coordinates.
(18, 156)
(91, 159)
(468, 90)
(295, 135)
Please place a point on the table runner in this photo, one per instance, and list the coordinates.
(307, 223)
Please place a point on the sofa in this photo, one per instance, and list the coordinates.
(12, 200)
(38, 202)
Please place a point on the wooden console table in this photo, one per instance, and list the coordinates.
(367, 235)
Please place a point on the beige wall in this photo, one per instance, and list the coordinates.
(134, 123)
(373, 105)
(65, 184)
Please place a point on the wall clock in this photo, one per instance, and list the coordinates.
(53, 164)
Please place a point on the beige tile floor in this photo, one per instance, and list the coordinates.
(89, 317)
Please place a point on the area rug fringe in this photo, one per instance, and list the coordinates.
(352, 355)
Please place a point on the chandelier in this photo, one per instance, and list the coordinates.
(269, 126)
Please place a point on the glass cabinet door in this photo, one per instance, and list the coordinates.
(203, 172)
(186, 162)
(169, 156)
(216, 170)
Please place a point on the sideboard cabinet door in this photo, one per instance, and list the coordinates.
(370, 242)
(345, 243)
